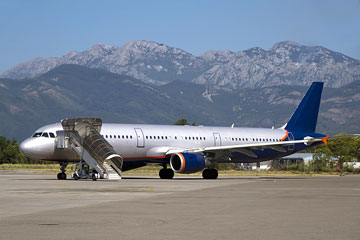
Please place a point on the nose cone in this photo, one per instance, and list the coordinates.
(38, 148)
(26, 147)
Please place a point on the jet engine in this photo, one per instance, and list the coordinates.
(187, 162)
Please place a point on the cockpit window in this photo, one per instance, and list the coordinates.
(45, 134)
(52, 135)
(38, 134)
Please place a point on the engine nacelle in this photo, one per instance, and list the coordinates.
(187, 162)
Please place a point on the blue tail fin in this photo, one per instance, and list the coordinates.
(305, 116)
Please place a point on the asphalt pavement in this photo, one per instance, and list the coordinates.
(41, 207)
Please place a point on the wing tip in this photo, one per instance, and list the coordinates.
(325, 140)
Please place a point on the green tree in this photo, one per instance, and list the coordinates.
(10, 153)
(344, 149)
(183, 121)
(322, 158)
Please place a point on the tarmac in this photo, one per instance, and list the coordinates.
(41, 207)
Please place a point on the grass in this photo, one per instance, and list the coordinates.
(35, 168)
(153, 170)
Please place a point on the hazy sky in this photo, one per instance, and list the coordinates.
(52, 28)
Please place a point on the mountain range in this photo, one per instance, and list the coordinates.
(71, 90)
(286, 63)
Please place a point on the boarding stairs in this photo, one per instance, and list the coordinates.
(83, 136)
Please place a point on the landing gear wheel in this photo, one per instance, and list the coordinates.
(166, 173)
(93, 177)
(214, 173)
(61, 176)
(211, 173)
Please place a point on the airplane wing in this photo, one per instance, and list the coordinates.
(247, 148)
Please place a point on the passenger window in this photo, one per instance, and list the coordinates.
(162, 137)
(165, 137)
(146, 137)
(110, 136)
(52, 135)
(127, 136)
(175, 138)
(204, 138)
(45, 134)
(106, 136)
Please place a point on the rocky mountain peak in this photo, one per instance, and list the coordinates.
(289, 45)
(102, 48)
(217, 55)
(144, 46)
(287, 62)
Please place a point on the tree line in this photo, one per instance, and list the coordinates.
(337, 152)
(10, 153)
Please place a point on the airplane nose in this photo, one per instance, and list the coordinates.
(25, 147)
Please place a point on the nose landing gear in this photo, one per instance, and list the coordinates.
(62, 175)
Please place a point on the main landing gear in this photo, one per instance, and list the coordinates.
(166, 173)
(210, 173)
(62, 175)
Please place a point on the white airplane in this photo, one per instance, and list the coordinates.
(187, 149)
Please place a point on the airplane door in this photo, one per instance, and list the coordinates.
(140, 138)
(217, 139)
(291, 138)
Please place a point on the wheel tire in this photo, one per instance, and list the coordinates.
(166, 173)
(59, 176)
(76, 177)
(162, 173)
(169, 174)
(210, 173)
(93, 177)
(206, 173)
(214, 173)
(62, 176)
